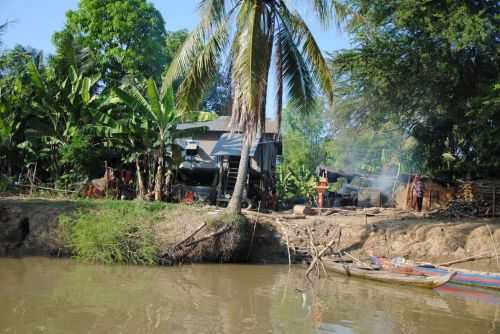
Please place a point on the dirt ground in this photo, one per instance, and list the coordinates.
(382, 232)
(390, 233)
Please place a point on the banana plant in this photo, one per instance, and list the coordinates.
(285, 185)
(155, 117)
(69, 105)
(305, 183)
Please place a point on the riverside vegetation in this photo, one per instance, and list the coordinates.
(111, 231)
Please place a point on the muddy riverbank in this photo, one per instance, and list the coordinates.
(31, 227)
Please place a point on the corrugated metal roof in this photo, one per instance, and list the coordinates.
(222, 124)
(229, 144)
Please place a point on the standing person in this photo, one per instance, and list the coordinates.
(417, 193)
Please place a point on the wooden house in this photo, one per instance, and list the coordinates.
(211, 160)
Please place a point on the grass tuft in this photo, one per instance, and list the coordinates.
(112, 232)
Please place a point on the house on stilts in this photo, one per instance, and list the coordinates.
(210, 162)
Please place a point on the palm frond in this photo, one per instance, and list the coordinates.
(296, 75)
(212, 12)
(251, 64)
(203, 67)
(279, 85)
(323, 9)
(213, 16)
(329, 10)
(313, 54)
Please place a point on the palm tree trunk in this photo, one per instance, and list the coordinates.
(159, 176)
(234, 205)
(140, 181)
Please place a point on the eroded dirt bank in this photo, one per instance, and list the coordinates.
(30, 227)
(389, 233)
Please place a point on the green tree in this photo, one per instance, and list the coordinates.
(254, 32)
(16, 94)
(158, 118)
(432, 68)
(127, 37)
(173, 42)
(365, 150)
(305, 136)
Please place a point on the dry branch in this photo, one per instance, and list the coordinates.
(317, 257)
(192, 234)
(208, 236)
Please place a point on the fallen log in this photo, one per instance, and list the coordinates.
(302, 210)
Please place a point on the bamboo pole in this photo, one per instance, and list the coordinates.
(358, 260)
(494, 246)
(466, 259)
(45, 188)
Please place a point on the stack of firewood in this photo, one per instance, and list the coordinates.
(465, 192)
(460, 209)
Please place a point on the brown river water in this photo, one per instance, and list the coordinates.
(42, 295)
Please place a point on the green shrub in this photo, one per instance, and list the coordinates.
(113, 233)
(5, 183)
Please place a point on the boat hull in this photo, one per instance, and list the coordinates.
(429, 282)
(464, 277)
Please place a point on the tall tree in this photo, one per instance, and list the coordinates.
(127, 37)
(173, 42)
(305, 136)
(252, 33)
(432, 67)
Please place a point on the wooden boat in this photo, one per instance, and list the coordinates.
(469, 293)
(353, 270)
(463, 276)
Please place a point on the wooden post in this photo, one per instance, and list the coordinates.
(106, 179)
(493, 212)
(408, 187)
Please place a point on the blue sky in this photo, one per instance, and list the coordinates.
(36, 20)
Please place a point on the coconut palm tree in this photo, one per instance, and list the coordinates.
(257, 38)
